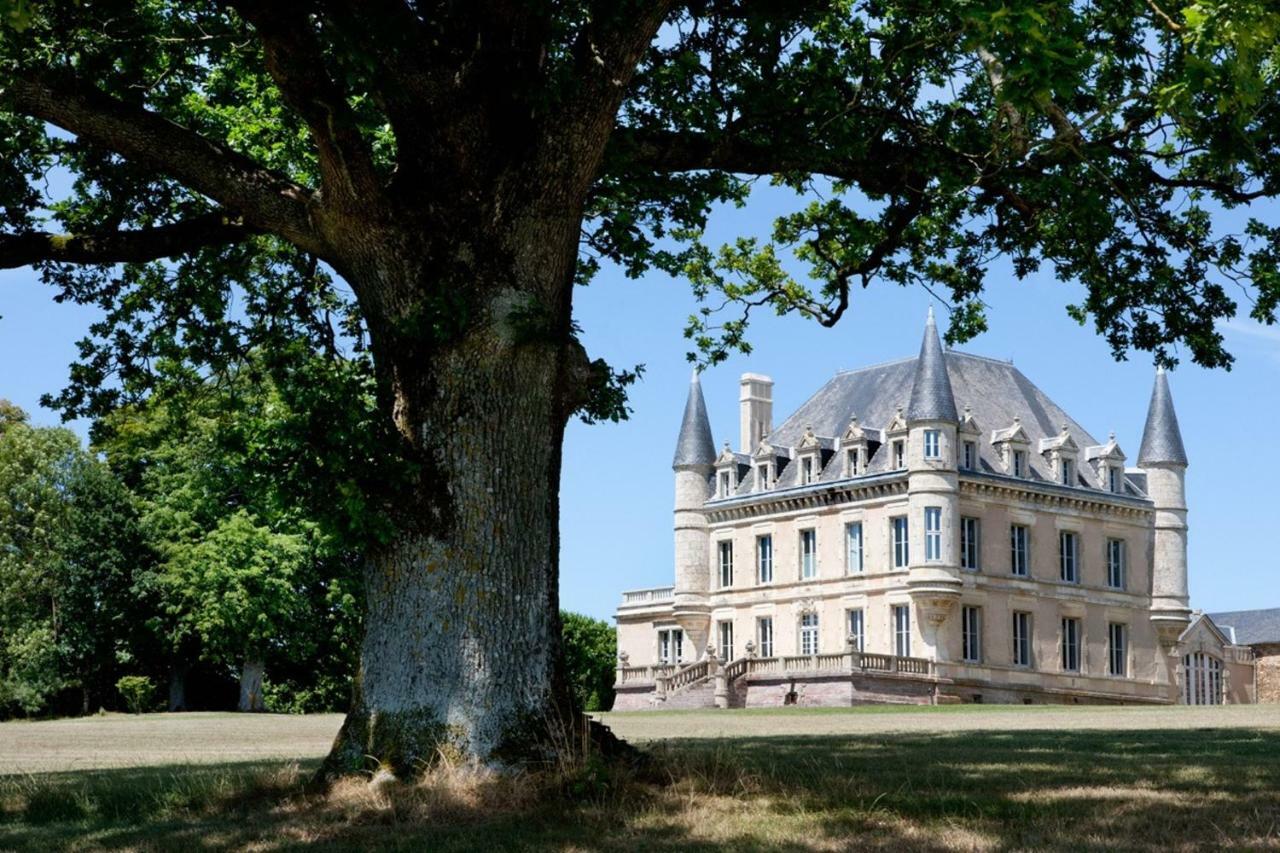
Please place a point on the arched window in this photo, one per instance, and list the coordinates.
(1202, 679)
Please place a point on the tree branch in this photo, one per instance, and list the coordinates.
(266, 199)
(296, 62)
(115, 247)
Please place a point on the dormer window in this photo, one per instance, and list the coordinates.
(969, 457)
(1020, 463)
(1115, 479)
(764, 476)
(853, 462)
(932, 444)
(806, 470)
(1068, 472)
(899, 454)
(725, 487)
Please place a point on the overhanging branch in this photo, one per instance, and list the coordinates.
(115, 247)
(266, 199)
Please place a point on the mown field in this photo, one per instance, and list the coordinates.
(963, 777)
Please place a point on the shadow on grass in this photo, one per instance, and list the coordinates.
(1149, 790)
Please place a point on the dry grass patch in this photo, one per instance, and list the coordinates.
(982, 790)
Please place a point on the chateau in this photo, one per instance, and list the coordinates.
(928, 530)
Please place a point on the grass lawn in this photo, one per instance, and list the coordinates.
(937, 778)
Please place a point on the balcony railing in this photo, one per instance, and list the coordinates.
(655, 595)
(841, 662)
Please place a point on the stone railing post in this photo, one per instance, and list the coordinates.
(623, 658)
(855, 656)
(893, 663)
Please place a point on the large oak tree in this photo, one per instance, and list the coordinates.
(198, 169)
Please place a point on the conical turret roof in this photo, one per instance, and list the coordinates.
(695, 447)
(1161, 438)
(931, 398)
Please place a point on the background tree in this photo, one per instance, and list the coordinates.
(254, 505)
(69, 547)
(590, 658)
(462, 165)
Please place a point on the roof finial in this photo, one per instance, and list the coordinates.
(930, 321)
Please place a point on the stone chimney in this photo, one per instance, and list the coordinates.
(756, 410)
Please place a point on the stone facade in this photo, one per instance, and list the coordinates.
(883, 546)
(1267, 661)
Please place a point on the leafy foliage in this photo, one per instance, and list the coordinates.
(589, 649)
(138, 691)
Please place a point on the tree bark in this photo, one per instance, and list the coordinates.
(178, 688)
(460, 656)
(251, 675)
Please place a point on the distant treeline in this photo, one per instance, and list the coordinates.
(210, 540)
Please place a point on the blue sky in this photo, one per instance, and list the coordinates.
(617, 488)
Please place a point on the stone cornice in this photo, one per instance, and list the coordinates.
(817, 496)
(1052, 497)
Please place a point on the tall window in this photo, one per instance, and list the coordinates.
(808, 553)
(764, 636)
(1115, 479)
(726, 641)
(1020, 537)
(933, 533)
(899, 454)
(1069, 556)
(900, 555)
(902, 630)
(969, 544)
(764, 559)
(1068, 472)
(969, 459)
(670, 645)
(1021, 638)
(1116, 569)
(726, 564)
(932, 444)
(806, 470)
(1202, 679)
(853, 546)
(1019, 463)
(857, 629)
(1117, 649)
(971, 633)
(809, 633)
(726, 484)
(1070, 644)
(854, 461)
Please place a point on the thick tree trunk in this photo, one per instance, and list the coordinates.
(251, 675)
(461, 652)
(178, 688)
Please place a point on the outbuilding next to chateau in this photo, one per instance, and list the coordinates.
(929, 530)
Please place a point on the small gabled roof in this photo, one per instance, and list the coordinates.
(1013, 432)
(931, 397)
(968, 425)
(1161, 438)
(694, 445)
(1110, 450)
(1061, 441)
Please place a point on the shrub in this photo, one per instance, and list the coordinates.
(137, 692)
(590, 649)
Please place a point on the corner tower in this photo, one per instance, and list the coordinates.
(693, 465)
(933, 493)
(1164, 460)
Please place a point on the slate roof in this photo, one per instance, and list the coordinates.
(1161, 438)
(931, 397)
(694, 446)
(1248, 627)
(995, 391)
